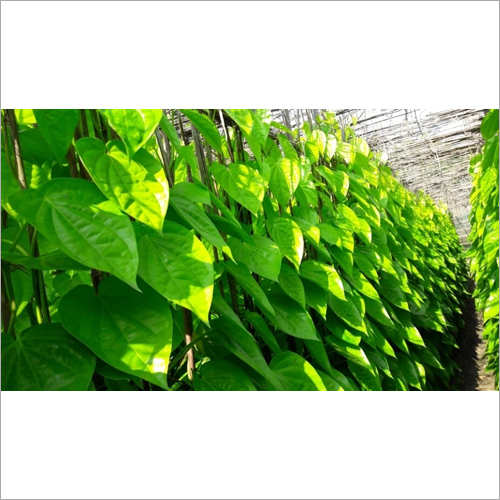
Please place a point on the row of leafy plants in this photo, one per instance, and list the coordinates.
(217, 250)
(484, 236)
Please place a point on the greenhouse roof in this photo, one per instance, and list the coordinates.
(427, 149)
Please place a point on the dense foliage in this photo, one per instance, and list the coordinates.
(484, 235)
(141, 251)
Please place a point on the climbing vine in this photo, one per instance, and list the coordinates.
(218, 250)
(484, 236)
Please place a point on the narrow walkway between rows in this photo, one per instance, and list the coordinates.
(471, 355)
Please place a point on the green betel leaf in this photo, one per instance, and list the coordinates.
(362, 285)
(134, 126)
(340, 329)
(288, 236)
(19, 254)
(295, 373)
(376, 310)
(178, 266)
(337, 180)
(260, 254)
(331, 234)
(352, 352)
(291, 318)
(45, 358)
(242, 117)
(288, 149)
(369, 379)
(364, 264)
(46, 262)
(309, 230)
(319, 138)
(312, 151)
(138, 185)
(323, 275)
(9, 186)
(263, 331)
(343, 258)
(261, 125)
(111, 373)
(285, 178)
(409, 369)
(315, 297)
(222, 375)
(345, 382)
(198, 220)
(319, 354)
(390, 288)
(57, 127)
(240, 342)
(64, 282)
(243, 184)
(24, 116)
(34, 147)
(129, 330)
(365, 231)
(347, 311)
(23, 288)
(206, 127)
(330, 383)
(248, 283)
(76, 217)
(346, 218)
(489, 126)
(170, 132)
(291, 284)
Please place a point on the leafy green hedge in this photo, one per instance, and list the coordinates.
(484, 235)
(233, 254)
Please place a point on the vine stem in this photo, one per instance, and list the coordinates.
(21, 176)
(165, 155)
(188, 336)
(73, 167)
(206, 179)
(6, 144)
(226, 134)
(9, 307)
(186, 313)
(39, 290)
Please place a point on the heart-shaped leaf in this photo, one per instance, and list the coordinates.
(291, 318)
(134, 126)
(244, 184)
(295, 373)
(137, 185)
(197, 218)
(288, 236)
(58, 128)
(324, 275)
(45, 358)
(76, 217)
(206, 127)
(248, 283)
(130, 330)
(285, 178)
(260, 254)
(222, 375)
(178, 266)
